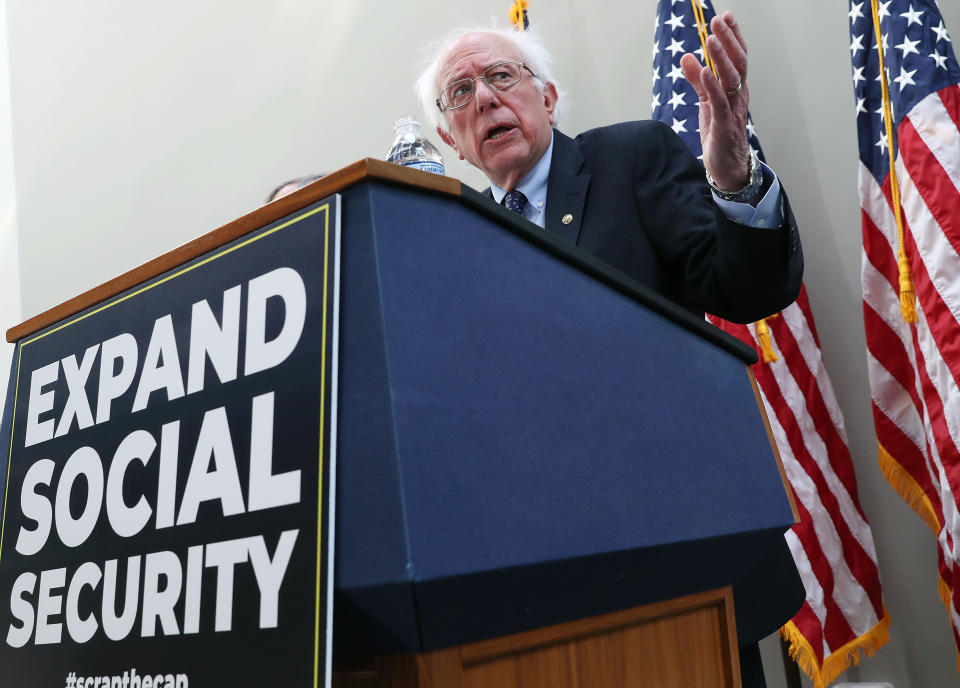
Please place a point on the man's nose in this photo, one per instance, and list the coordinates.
(484, 96)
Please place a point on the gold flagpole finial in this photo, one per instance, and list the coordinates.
(518, 15)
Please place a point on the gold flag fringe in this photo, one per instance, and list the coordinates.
(908, 488)
(839, 660)
(947, 598)
(916, 499)
(945, 595)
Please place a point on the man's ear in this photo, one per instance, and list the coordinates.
(447, 139)
(550, 101)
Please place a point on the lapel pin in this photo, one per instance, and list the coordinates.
(566, 219)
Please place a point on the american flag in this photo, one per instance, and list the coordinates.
(843, 614)
(914, 367)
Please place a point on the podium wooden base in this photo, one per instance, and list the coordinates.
(688, 642)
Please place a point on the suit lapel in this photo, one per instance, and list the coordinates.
(566, 189)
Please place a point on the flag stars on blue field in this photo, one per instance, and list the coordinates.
(919, 62)
(906, 78)
(941, 32)
(677, 99)
(908, 47)
(675, 22)
(882, 143)
(676, 47)
(913, 17)
(856, 45)
(673, 98)
(856, 11)
(920, 42)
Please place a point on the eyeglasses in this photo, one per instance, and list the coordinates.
(500, 76)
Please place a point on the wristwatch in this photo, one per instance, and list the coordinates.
(747, 193)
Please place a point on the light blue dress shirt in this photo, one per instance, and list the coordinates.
(767, 213)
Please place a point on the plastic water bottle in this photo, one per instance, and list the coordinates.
(410, 148)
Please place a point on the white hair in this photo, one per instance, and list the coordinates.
(528, 45)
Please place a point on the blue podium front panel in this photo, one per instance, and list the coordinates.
(521, 444)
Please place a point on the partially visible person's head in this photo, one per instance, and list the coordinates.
(502, 132)
(291, 185)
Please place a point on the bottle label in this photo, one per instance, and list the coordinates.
(426, 166)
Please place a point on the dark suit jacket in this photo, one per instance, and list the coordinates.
(640, 203)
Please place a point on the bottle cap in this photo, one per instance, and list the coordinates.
(409, 123)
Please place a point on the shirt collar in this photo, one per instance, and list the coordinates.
(533, 186)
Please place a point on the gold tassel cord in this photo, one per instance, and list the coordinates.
(908, 298)
(518, 14)
(766, 343)
(703, 33)
(907, 293)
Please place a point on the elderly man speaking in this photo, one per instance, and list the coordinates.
(631, 194)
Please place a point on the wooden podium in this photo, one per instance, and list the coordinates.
(547, 475)
(689, 641)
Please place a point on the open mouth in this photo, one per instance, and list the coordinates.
(497, 132)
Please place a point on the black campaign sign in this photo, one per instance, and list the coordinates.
(165, 519)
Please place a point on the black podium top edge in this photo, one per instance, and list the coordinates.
(370, 169)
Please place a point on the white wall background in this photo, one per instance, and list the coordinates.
(140, 125)
(10, 311)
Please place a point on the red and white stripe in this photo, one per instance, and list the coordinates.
(915, 369)
(833, 544)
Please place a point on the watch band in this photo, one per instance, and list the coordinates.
(748, 192)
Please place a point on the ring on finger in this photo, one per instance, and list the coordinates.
(737, 90)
